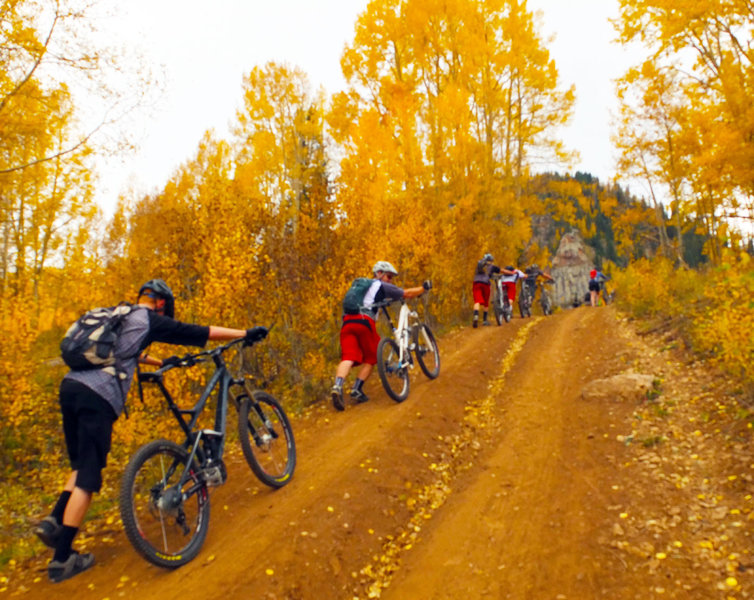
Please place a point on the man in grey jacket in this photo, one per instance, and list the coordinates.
(91, 401)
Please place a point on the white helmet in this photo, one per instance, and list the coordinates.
(384, 266)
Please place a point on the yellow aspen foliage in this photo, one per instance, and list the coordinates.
(686, 124)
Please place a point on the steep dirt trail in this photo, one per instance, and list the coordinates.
(497, 480)
(522, 524)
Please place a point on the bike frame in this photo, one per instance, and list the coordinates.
(187, 419)
(402, 333)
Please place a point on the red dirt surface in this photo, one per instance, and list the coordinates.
(496, 480)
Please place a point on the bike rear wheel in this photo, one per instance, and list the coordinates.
(523, 307)
(507, 312)
(546, 305)
(393, 375)
(498, 309)
(165, 529)
(266, 439)
(427, 352)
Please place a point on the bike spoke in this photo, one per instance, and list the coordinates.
(267, 439)
(165, 527)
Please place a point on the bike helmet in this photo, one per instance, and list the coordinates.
(534, 267)
(510, 268)
(488, 258)
(160, 289)
(384, 266)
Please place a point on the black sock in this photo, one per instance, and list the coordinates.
(485, 316)
(63, 549)
(476, 315)
(357, 385)
(60, 505)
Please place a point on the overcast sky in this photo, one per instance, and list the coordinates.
(207, 48)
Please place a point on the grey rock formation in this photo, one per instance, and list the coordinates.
(570, 268)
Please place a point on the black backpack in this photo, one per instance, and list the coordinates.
(90, 342)
(353, 301)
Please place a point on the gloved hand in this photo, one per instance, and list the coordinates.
(255, 334)
(171, 361)
(427, 284)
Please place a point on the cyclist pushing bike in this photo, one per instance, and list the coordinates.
(509, 276)
(597, 281)
(358, 333)
(92, 399)
(481, 287)
(533, 273)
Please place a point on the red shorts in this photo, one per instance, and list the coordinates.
(511, 285)
(359, 339)
(481, 293)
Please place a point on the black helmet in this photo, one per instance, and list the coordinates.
(161, 290)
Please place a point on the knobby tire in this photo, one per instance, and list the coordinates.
(426, 351)
(266, 438)
(498, 314)
(393, 376)
(508, 312)
(167, 534)
(546, 305)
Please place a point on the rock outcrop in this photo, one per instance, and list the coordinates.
(627, 386)
(570, 268)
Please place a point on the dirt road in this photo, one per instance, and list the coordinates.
(497, 480)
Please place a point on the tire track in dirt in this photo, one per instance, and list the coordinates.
(523, 523)
(433, 495)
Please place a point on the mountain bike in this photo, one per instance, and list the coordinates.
(164, 495)
(501, 305)
(525, 300)
(608, 297)
(544, 299)
(394, 354)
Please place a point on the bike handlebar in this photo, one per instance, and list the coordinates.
(386, 303)
(191, 359)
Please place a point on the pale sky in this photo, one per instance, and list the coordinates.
(207, 48)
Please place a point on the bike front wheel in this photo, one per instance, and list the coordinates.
(427, 352)
(393, 375)
(167, 529)
(266, 439)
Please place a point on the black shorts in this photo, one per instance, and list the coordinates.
(594, 285)
(88, 428)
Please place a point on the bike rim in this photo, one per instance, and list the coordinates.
(395, 374)
(427, 350)
(269, 440)
(168, 526)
